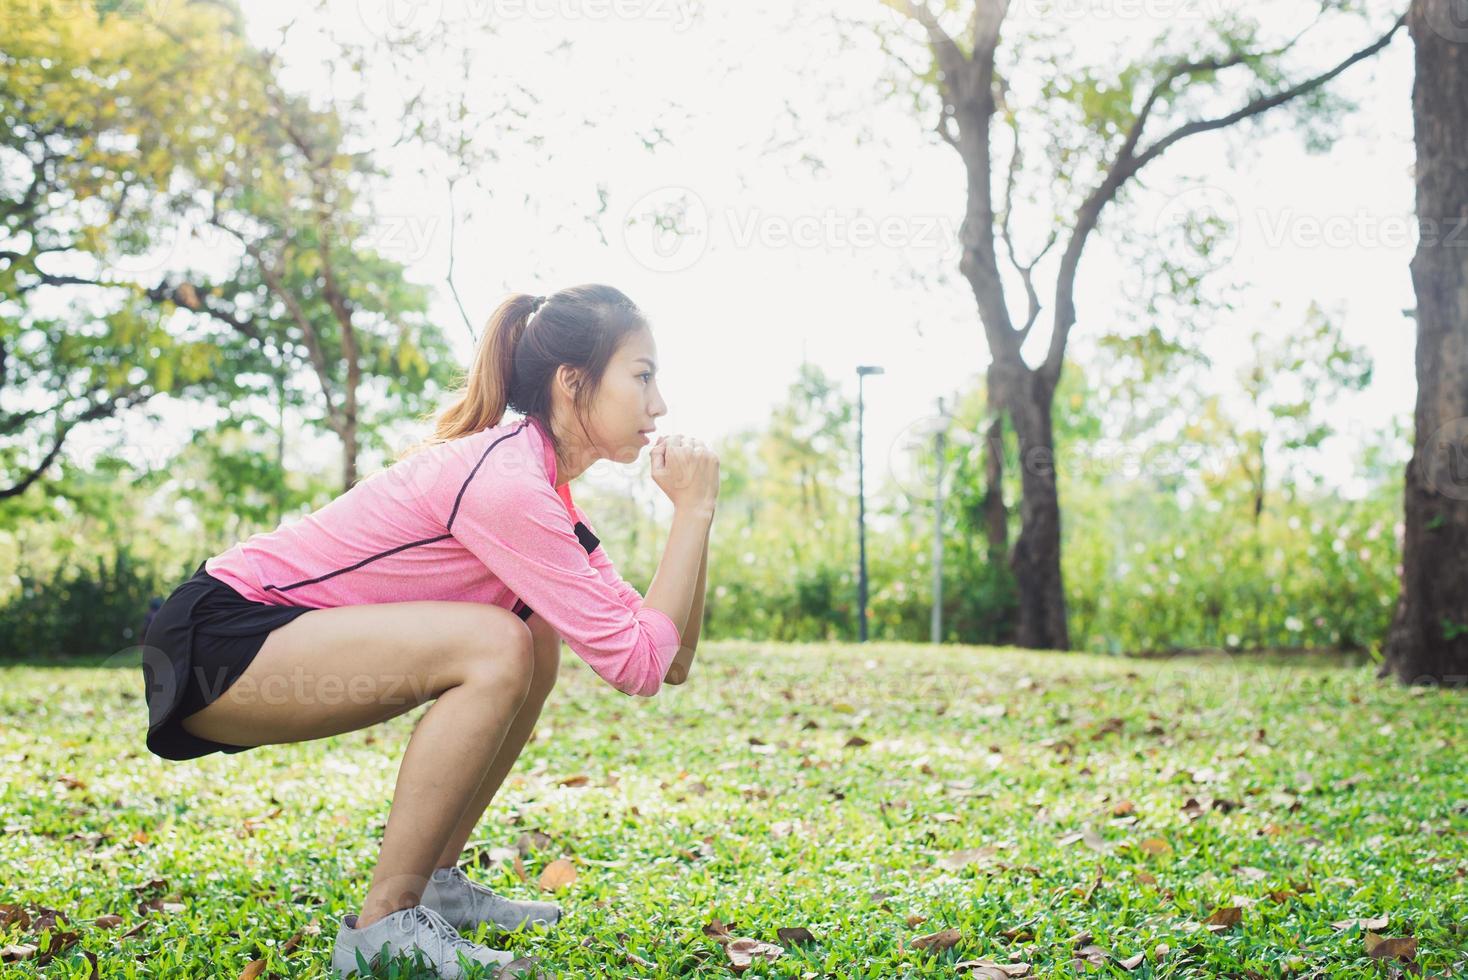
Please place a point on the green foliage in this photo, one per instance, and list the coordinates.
(780, 561)
(232, 479)
(1143, 573)
(92, 609)
(96, 112)
(130, 136)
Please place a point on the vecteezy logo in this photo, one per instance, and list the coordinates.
(1448, 18)
(912, 461)
(120, 264)
(667, 230)
(1445, 460)
(159, 685)
(1204, 220)
(392, 19)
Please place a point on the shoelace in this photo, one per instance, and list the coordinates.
(477, 890)
(447, 935)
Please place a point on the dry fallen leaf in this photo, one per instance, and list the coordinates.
(957, 860)
(1372, 925)
(1381, 948)
(253, 970)
(743, 952)
(992, 969)
(1224, 917)
(938, 941)
(16, 952)
(794, 935)
(59, 943)
(558, 874)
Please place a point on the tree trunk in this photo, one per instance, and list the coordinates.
(996, 516)
(349, 454)
(1428, 640)
(1036, 558)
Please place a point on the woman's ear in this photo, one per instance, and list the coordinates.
(568, 378)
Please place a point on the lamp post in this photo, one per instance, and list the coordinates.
(939, 428)
(861, 504)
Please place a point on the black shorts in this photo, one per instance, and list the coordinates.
(199, 642)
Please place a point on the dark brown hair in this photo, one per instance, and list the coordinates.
(515, 363)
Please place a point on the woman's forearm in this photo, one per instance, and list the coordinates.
(683, 662)
(673, 587)
(695, 614)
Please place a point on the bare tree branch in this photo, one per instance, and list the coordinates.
(950, 57)
(1264, 103)
(129, 396)
(1125, 166)
(187, 295)
(292, 304)
(453, 288)
(1026, 271)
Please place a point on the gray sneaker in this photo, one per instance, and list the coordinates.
(465, 904)
(406, 931)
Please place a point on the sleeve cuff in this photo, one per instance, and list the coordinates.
(665, 634)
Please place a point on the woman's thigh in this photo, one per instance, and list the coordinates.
(336, 670)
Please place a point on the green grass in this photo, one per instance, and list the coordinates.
(1339, 796)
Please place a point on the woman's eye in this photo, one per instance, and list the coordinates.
(645, 374)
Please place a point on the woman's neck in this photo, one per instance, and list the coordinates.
(572, 457)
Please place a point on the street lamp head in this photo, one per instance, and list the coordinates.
(869, 369)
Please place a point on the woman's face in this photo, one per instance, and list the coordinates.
(628, 404)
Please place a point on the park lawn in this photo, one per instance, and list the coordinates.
(1005, 805)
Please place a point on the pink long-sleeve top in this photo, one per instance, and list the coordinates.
(475, 519)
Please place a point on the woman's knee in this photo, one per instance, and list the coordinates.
(504, 658)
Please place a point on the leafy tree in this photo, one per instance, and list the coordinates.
(1098, 127)
(97, 110)
(309, 290)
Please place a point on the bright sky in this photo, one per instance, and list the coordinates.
(787, 260)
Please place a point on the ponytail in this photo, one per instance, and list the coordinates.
(516, 361)
(484, 394)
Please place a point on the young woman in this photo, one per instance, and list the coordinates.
(452, 576)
